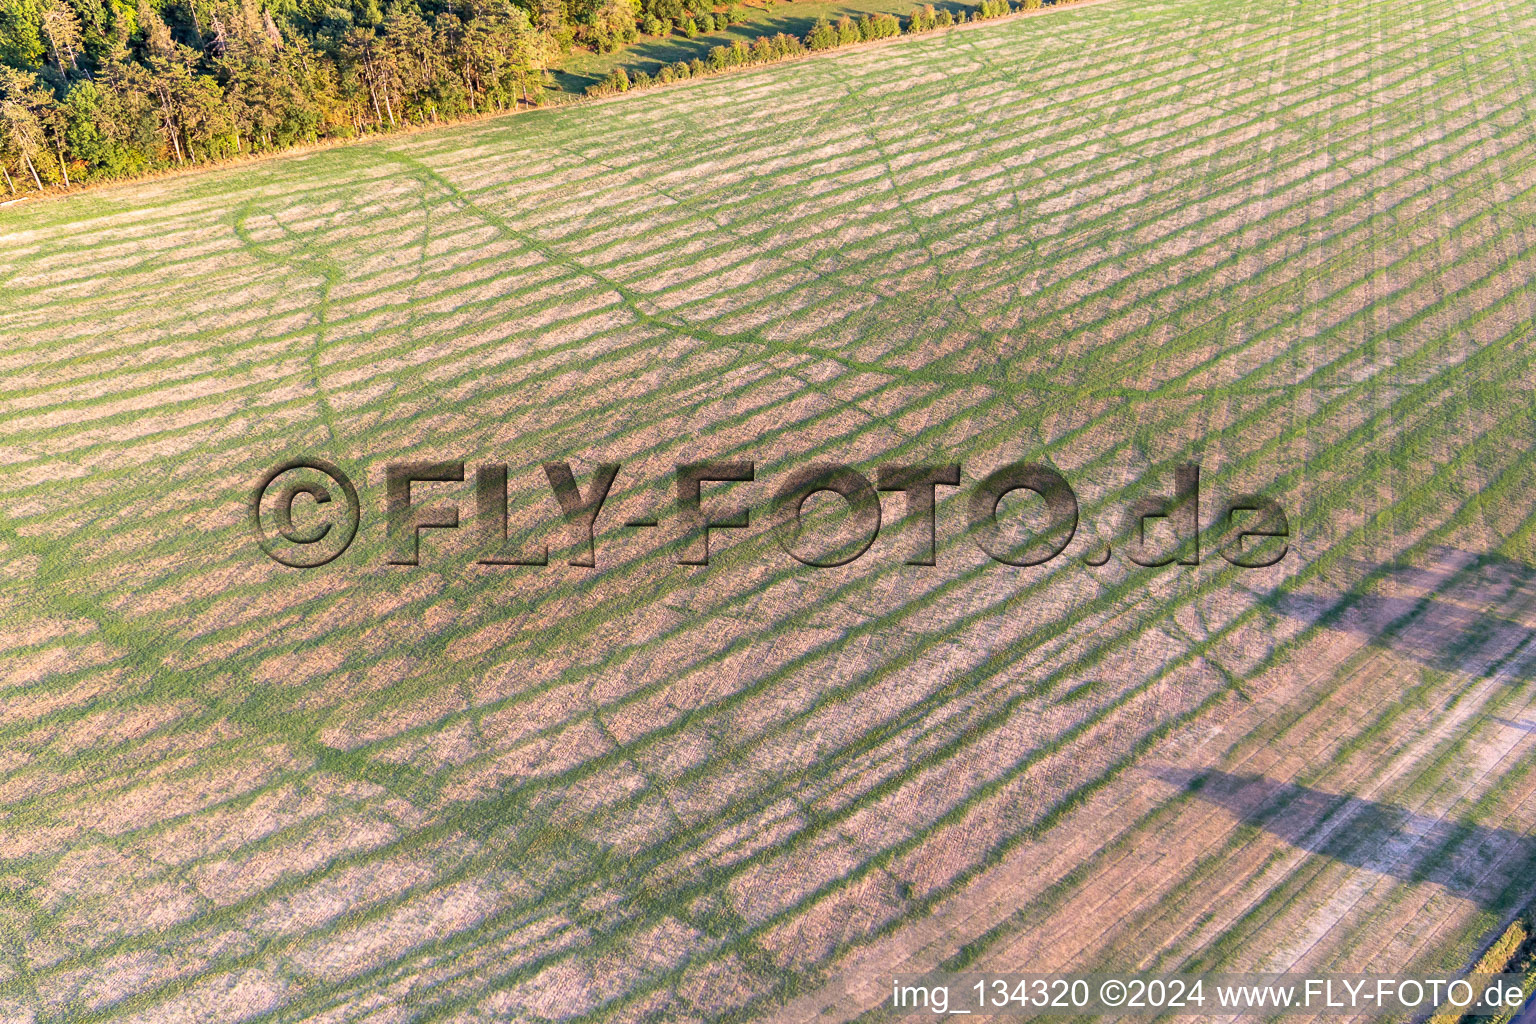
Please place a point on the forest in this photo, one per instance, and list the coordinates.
(102, 89)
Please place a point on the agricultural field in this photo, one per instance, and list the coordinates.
(1286, 241)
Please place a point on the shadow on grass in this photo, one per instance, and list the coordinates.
(1383, 838)
(573, 81)
(1457, 611)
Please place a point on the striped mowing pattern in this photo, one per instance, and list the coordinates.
(1290, 241)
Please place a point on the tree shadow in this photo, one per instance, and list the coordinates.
(573, 81)
(1455, 611)
(1382, 838)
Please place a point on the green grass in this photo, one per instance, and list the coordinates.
(1289, 241)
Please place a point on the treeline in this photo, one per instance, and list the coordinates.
(108, 88)
(824, 35)
(94, 89)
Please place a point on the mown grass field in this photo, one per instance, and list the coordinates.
(1291, 241)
